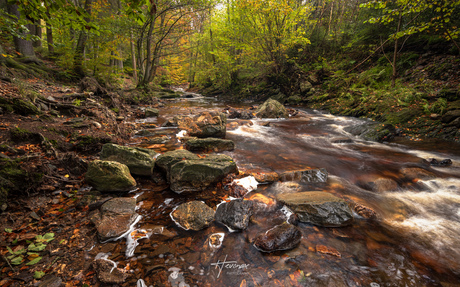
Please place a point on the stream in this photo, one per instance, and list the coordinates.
(413, 241)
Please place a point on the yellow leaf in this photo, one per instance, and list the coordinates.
(66, 175)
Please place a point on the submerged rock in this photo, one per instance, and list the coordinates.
(197, 175)
(204, 125)
(235, 214)
(309, 175)
(281, 237)
(108, 273)
(194, 215)
(140, 161)
(115, 217)
(417, 173)
(272, 109)
(384, 184)
(209, 144)
(109, 176)
(320, 208)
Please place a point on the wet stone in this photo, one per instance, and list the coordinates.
(319, 208)
(235, 214)
(151, 112)
(115, 217)
(194, 215)
(417, 172)
(108, 273)
(50, 281)
(281, 237)
(168, 159)
(205, 124)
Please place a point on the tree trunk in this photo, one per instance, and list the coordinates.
(133, 57)
(49, 36)
(37, 31)
(395, 53)
(23, 46)
(81, 44)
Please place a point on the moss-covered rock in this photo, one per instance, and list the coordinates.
(197, 175)
(272, 109)
(140, 161)
(209, 144)
(109, 176)
(168, 159)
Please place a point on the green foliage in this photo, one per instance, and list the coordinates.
(17, 257)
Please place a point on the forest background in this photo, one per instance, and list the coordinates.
(393, 61)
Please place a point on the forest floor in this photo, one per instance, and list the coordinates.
(43, 158)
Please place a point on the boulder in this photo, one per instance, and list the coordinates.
(235, 214)
(372, 131)
(309, 175)
(239, 114)
(209, 144)
(115, 217)
(108, 273)
(204, 125)
(319, 208)
(194, 215)
(109, 176)
(151, 112)
(168, 159)
(140, 161)
(197, 175)
(281, 237)
(272, 109)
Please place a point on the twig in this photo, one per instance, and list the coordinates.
(7, 261)
(52, 263)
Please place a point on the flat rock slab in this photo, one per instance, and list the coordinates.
(205, 124)
(281, 237)
(319, 208)
(235, 214)
(194, 215)
(115, 217)
(109, 176)
(140, 161)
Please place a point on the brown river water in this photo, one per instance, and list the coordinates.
(414, 240)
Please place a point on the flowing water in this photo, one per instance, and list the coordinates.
(413, 241)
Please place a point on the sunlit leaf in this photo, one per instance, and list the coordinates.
(35, 261)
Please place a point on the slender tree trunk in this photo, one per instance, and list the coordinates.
(395, 53)
(49, 39)
(133, 57)
(37, 32)
(23, 46)
(81, 44)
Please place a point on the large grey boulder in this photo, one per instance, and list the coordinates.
(140, 161)
(209, 144)
(115, 217)
(235, 214)
(197, 175)
(281, 237)
(272, 109)
(204, 125)
(319, 208)
(194, 215)
(109, 176)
